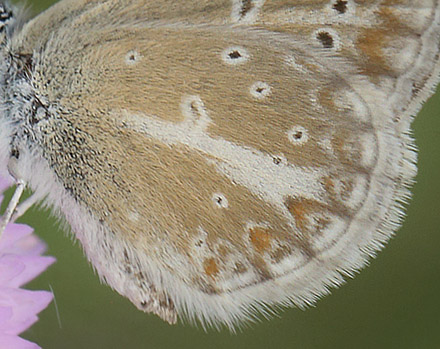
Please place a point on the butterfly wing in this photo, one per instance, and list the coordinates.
(216, 156)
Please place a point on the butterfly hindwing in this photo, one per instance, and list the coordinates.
(235, 155)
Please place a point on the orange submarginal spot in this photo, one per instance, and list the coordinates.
(260, 238)
(211, 267)
(372, 41)
(300, 209)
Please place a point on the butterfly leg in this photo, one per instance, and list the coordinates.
(13, 203)
(24, 206)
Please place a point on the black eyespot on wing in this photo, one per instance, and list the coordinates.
(326, 39)
(234, 54)
(246, 6)
(341, 6)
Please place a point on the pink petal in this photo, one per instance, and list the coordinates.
(25, 305)
(10, 268)
(16, 271)
(5, 315)
(12, 234)
(20, 262)
(14, 342)
(29, 245)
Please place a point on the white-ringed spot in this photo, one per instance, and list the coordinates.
(260, 90)
(220, 200)
(340, 6)
(298, 135)
(279, 160)
(327, 38)
(196, 116)
(132, 57)
(235, 55)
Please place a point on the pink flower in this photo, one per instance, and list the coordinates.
(21, 260)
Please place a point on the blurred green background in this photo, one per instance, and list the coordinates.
(394, 303)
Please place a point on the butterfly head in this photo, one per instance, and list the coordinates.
(14, 83)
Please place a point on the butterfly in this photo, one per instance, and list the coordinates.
(217, 159)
